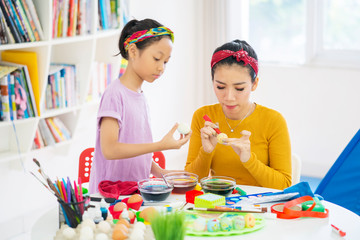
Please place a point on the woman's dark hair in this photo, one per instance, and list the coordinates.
(135, 26)
(235, 46)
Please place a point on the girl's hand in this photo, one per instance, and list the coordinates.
(208, 136)
(241, 145)
(169, 142)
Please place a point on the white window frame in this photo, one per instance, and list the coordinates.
(315, 54)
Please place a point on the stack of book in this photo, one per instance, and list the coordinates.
(50, 131)
(71, 18)
(101, 77)
(61, 89)
(110, 13)
(19, 22)
(16, 95)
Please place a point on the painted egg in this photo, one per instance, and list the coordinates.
(249, 220)
(148, 213)
(119, 234)
(220, 137)
(135, 198)
(238, 222)
(120, 206)
(199, 225)
(226, 224)
(124, 221)
(213, 225)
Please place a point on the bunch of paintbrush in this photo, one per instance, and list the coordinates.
(69, 197)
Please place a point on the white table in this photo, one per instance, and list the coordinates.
(301, 228)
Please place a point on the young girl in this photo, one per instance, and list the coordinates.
(257, 151)
(124, 143)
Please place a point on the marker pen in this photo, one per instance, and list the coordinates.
(338, 231)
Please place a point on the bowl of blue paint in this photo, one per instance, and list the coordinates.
(155, 189)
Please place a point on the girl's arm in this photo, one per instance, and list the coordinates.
(112, 149)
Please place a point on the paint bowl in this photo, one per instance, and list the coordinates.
(182, 181)
(218, 185)
(154, 189)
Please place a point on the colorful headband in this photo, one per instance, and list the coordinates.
(240, 55)
(144, 34)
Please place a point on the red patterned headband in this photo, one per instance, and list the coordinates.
(240, 55)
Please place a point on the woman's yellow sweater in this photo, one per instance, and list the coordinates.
(270, 161)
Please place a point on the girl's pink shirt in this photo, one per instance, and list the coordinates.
(131, 111)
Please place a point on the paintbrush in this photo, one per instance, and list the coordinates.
(46, 177)
(227, 210)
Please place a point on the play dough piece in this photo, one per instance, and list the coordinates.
(183, 128)
(220, 137)
(249, 220)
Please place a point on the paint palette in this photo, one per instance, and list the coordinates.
(221, 224)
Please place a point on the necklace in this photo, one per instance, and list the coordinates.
(233, 129)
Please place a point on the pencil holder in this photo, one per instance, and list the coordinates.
(71, 212)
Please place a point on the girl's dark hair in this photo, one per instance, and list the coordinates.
(235, 46)
(135, 26)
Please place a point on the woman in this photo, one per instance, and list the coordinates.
(257, 151)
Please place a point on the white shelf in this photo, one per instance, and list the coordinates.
(83, 51)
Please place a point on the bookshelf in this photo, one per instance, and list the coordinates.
(95, 45)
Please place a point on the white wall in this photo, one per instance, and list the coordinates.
(321, 106)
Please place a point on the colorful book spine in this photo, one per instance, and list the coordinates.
(10, 22)
(34, 15)
(24, 20)
(5, 98)
(30, 19)
(12, 104)
(46, 133)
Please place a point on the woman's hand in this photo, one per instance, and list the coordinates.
(241, 145)
(208, 137)
(169, 142)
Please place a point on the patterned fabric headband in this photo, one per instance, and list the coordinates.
(144, 34)
(240, 55)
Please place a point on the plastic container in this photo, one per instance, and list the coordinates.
(218, 185)
(154, 189)
(182, 181)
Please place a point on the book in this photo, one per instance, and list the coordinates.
(24, 20)
(34, 15)
(11, 92)
(22, 77)
(19, 25)
(30, 19)
(5, 98)
(64, 130)
(54, 131)
(3, 34)
(46, 133)
(10, 22)
(30, 60)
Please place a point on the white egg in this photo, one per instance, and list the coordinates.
(101, 236)
(69, 233)
(104, 227)
(183, 128)
(86, 232)
(88, 223)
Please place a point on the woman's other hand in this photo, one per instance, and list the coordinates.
(241, 145)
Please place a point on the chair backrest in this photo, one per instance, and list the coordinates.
(85, 162)
(296, 168)
(341, 183)
(159, 158)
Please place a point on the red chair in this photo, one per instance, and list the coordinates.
(85, 162)
(159, 158)
(86, 157)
